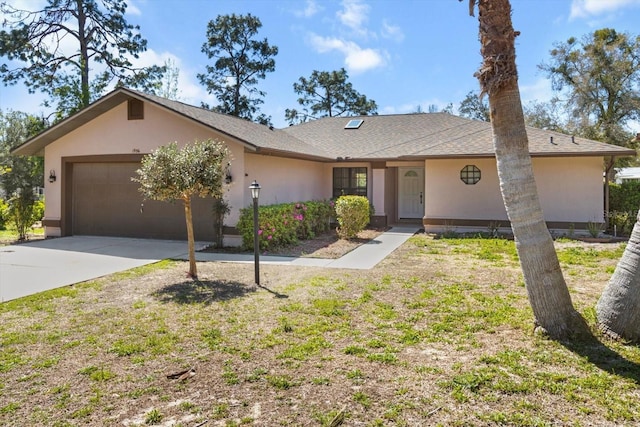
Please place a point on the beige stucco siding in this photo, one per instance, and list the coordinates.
(447, 197)
(112, 134)
(570, 190)
(286, 180)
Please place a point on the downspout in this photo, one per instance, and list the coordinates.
(606, 190)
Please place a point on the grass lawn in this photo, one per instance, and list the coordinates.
(10, 235)
(439, 333)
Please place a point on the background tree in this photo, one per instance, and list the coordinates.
(547, 291)
(328, 94)
(599, 76)
(548, 115)
(32, 43)
(473, 106)
(20, 175)
(171, 173)
(168, 87)
(240, 60)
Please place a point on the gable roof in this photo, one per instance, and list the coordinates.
(379, 137)
(433, 135)
(254, 136)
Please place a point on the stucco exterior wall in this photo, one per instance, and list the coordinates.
(111, 133)
(447, 197)
(286, 180)
(570, 190)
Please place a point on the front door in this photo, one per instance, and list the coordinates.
(411, 193)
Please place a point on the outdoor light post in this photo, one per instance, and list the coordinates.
(255, 193)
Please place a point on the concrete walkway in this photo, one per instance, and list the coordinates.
(34, 267)
(363, 257)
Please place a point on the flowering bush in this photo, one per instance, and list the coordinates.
(286, 223)
(353, 215)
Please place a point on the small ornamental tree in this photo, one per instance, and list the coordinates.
(171, 173)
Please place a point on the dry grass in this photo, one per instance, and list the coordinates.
(437, 334)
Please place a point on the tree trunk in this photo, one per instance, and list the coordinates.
(193, 272)
(546, 288)
(84, 54)
(618, 308)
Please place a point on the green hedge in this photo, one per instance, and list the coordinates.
(286, 223)
(624, 201)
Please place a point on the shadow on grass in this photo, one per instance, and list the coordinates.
(274, 293)
(605, 358)
(203, 291)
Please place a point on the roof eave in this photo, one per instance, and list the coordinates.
(290, 154)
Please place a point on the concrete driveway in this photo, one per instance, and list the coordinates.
(34, 267)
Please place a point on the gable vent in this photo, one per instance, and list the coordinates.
(135, 109)
(354, 124)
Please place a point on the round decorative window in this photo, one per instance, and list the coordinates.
(470, 174)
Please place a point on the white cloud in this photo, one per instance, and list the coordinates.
(540, 91)
(357, 59)
(133, 9)
(354, 15)
(586, 8)
(189, 89)
(311, 8)
(391, 31)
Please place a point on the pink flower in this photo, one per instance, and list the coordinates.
(260, 232)
(273, 229)
(269, 237)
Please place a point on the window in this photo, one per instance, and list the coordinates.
(354, 124)
(470, 174)
(349, 182)
(135, 109)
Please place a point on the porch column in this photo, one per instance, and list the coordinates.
(379, 218)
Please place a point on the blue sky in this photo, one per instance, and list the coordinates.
(400, 53)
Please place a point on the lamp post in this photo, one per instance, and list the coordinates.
(255, 193)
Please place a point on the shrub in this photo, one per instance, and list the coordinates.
(624, 201)
(286, 223)
(353, 215)
(220, 210)
(4, 211)
(23, 212)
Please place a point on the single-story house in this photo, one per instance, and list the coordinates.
(435, 169)
(627, 174)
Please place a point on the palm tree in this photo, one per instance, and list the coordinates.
(618, 308)
(546, 288)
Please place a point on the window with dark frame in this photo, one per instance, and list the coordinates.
(349, 182)
(135, 109)
(470, 174)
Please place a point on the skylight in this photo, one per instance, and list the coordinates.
(354, 124)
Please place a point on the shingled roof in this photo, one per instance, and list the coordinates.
(379, 137)
(254, 136)
(433, 135)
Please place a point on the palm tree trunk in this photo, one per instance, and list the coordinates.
(618, 308)
(193, 272)
(547, 291)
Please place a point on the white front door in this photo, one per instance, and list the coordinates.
(411, 192)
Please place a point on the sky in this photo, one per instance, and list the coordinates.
(403, 54)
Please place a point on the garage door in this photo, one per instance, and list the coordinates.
(105, 202)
